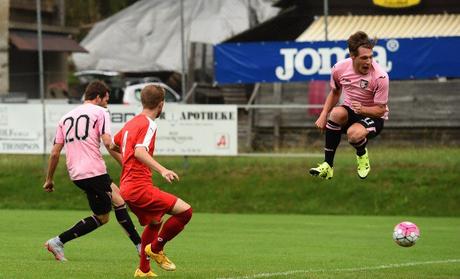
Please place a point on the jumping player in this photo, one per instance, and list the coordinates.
(364, 85)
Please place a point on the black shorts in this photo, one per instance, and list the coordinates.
(373, 125)
(98, 192)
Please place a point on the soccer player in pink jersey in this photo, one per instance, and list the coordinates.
(136, 142)
(364, 85)
(81, 131)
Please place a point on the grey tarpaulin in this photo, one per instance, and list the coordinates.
(146, 35)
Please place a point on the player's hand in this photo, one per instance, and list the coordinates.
(114, 147)
(321, 123)
(170, 176)
(48, 186)
(357, 107)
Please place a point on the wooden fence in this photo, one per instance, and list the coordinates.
(421, 112)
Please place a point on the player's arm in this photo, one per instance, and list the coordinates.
(115, 147)
(380, 100)
(331, 101)
(104, 130)
(52, 164)
(373, 111)
(107, 141)
(144, 157)
(115, 144)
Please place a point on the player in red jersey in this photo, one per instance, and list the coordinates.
(136, 142)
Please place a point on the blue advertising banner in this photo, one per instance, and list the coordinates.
(419, 58)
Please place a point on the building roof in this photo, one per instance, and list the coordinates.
(26, 40)
(384, 26)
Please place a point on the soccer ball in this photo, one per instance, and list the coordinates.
(405, 234)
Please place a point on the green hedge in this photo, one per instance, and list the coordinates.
(403, 181)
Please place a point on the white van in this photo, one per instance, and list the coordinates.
(123, 90)
(132, 94)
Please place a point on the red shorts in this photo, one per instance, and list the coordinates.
(149, 204)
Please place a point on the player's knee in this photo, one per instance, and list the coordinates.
(185, 216)
(338, 115)
(351, 135)
(115, 195)
(103, 219)
(117, 200)
(354, 135)
(185, 206)
(155, 223)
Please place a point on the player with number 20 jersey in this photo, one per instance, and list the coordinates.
(81, 130)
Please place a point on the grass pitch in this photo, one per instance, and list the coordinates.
(237, 246)
(413, 181)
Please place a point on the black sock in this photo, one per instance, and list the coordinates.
(125, 221)
(333, 135)
(360, 147)
(81, 228)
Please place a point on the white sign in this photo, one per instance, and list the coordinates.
(189, 129)
(21, 129)
(54, 113)
(182, 129)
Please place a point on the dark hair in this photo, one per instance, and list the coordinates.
(96, 88)
(152, 96)
(360, 39)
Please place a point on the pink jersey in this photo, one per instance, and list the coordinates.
(80, 130)
(370, 90)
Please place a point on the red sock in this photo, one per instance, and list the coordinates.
(150, 233)
(173, 226)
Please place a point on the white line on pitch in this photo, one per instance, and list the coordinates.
(352, 269)
(287, 155)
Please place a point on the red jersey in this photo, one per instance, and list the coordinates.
(137, 132)
(136, 188)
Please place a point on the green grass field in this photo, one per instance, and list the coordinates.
(237, 246)
(253, 219)
(412, 181)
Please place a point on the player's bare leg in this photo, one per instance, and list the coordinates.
(56, 244)
(123, 217)
(149, 234)
(337, 118)
(181, 215)
(357, 137)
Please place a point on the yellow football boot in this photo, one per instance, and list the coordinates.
(139, 273)
(160, 258)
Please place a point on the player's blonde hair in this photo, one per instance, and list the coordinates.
(152, 96)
